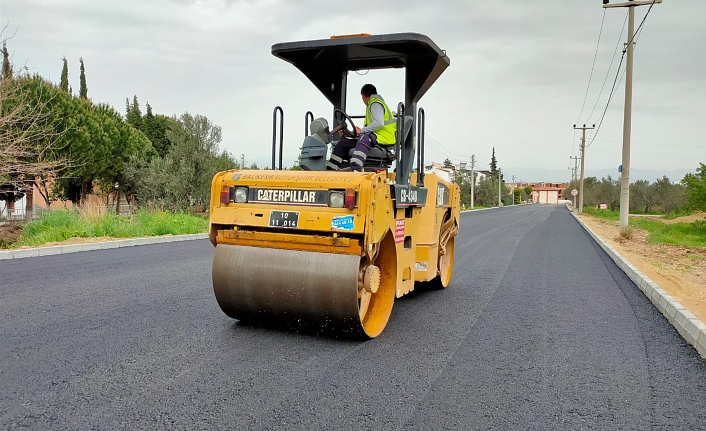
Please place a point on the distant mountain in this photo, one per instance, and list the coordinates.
(548, 175)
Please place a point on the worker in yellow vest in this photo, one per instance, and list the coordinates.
(379, 128)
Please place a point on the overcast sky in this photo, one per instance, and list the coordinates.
(518, 75)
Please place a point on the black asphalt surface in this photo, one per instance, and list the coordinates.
(539, 330)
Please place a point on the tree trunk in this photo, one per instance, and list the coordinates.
(83, 193)
(29, 202)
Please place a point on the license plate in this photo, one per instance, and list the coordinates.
(288, 219)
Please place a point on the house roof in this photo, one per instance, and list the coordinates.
(547, 189)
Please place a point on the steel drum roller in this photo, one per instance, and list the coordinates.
(254, 282)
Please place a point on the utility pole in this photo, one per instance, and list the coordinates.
(513, 190)
(583, 158)
(627, 116)
(575, 169)
(574, 173)
(500, 200)
(242, 162)
(473, 179)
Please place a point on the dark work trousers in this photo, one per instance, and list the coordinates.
(340, 152)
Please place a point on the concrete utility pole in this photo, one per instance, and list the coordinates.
(500, 199)
(574, 172)
(627, 117)
(575, 169)
(583, 158)
(513, 190)
(242, 162)
(473, 179)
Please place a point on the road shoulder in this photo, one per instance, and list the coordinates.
(689, 326)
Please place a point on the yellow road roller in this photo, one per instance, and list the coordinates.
(336, 248)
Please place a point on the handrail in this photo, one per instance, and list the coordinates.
(308, 115)
(274, 136)
(399, 145)
(421, 118)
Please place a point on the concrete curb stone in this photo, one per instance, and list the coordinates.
(689, 326)
(48, 251)
(29, 252)
(71, 248)
(126, 243)
(92, 246)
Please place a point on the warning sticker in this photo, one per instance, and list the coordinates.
(399, 231)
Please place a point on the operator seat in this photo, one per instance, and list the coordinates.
(382, 156)
(313, 150)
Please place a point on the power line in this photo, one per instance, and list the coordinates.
(616, 81)
(590, 76)
(448, 150)
(654, 144)
(610, 97)
(643, 22)
(607, 74)
(573, 143)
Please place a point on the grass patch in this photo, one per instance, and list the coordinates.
(59, 226)
(684, 234)
(603, 214)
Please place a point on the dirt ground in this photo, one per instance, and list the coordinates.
(680, 271)
(9, 233)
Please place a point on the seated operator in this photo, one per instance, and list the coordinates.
(379, 128)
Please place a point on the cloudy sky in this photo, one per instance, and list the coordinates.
(518, 76)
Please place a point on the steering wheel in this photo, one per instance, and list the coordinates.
(342, 120)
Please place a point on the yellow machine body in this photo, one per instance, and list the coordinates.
(318, 269)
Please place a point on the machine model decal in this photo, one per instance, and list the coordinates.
(345, 222)
(410, 196)
(442, 196)
(288, 219)
(399, 231)
(289, 197)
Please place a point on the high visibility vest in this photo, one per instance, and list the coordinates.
(386, 135)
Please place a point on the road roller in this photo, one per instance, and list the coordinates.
(337, 248)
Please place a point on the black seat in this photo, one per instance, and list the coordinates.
(382, 156)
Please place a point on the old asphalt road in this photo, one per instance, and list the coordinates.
(538, 330)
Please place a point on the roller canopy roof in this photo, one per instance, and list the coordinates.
(325, 62)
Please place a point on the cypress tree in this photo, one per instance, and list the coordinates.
(134, 115)
(6, 66)
(64, 84)
(493, 164)
(83, 90)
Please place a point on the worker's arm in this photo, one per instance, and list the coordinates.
(378, 119)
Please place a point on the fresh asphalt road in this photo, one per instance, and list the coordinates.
(538, 330)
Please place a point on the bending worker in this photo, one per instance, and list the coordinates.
(379, 128)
